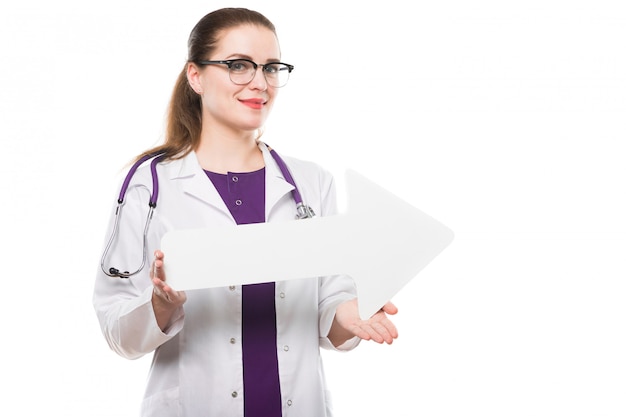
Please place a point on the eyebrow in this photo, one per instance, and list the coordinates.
(244, 56)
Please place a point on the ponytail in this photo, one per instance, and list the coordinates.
(184, 122)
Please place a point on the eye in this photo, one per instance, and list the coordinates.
(240, 65)
(272, 68)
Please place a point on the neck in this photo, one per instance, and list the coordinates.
(223, 154)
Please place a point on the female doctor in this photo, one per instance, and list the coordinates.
(250, 350)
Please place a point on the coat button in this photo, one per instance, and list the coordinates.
(289, 402)
(235, 179)
(286, 348)
(232, 288)
(282, 295)
(238, 202)
(234, 394)
(232, 340)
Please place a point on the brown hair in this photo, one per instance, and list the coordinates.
(184, 117)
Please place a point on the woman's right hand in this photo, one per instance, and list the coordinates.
(165, 300)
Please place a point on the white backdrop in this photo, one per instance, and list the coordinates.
(504, 120)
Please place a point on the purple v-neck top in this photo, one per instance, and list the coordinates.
(244, 195)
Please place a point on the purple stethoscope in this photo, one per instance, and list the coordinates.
(302, 210)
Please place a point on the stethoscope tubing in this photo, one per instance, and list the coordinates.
(155, 181)
(303, 211)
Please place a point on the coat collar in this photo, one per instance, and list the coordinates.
(276, 186)
(196, 183)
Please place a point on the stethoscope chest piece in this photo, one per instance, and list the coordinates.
(302, 210)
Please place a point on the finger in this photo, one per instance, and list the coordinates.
(383, 332)
(159, 284)
(159, 289)
(389, 327)
(372, 333)
(360, 332)
(158, 269)
(390, 308)
(157, 266)
(167, 293)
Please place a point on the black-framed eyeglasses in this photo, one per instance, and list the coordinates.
(241, 71)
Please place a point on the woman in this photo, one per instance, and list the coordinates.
(248, 350)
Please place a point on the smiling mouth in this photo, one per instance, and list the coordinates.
(254, 103)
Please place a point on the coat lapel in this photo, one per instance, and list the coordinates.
(196, 183)
(276, 187)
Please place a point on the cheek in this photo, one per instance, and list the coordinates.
(272, 99)
(269, 106)
(215, 99)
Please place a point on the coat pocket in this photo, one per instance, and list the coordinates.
(162, 404)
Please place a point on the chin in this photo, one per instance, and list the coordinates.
(253, 125)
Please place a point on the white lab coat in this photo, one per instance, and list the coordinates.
(197, 364)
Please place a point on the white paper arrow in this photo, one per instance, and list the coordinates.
(381, 242)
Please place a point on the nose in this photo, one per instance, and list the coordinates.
(258, 80)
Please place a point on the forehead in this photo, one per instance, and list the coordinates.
(254, 41)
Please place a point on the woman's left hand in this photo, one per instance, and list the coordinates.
(377, 328)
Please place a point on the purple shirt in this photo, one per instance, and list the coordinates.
(244, 195)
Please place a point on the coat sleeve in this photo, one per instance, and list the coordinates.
(124, 305)
(335, 289)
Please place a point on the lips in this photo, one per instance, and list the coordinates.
(253, 103)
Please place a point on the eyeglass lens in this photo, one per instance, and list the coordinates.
(243, 71)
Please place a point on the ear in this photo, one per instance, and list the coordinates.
(193, 77)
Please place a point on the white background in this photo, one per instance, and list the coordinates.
(504, 120)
